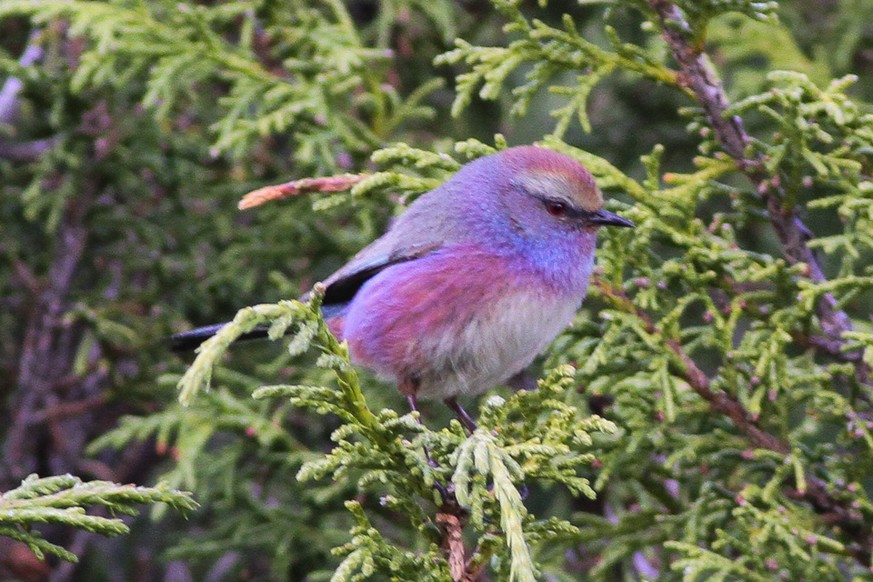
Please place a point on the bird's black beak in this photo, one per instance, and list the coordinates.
(606, 218)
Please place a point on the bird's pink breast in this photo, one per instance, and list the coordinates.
(455, 321)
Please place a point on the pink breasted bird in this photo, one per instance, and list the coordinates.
(473, 281)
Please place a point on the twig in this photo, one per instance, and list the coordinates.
(453, 544)
(339, 183)
(793, 235)
(696, 378)
(64, 409)
(725, 404)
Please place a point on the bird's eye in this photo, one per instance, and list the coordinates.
(556, 208)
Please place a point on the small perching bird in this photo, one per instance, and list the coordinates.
(473, 281)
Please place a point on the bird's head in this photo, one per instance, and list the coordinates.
(548, 191)
(555, 190)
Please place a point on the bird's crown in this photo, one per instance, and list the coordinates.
(547, 174)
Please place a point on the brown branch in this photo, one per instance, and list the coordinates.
(65, 409)
(266, 194)
(49, 425)
(44, 350)
(453, 544)
(701, 79)
(26, 277)
(696, 378)
(825, 345)
(793, 234)
(725, 404)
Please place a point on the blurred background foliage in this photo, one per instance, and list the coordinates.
(128, 132)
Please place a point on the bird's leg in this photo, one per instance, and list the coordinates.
(412, 401)
(445, 491)
(413, 406)
(466, 421)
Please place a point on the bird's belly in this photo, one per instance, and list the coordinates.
(492, 348)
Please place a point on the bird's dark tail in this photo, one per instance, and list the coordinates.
(189, 340)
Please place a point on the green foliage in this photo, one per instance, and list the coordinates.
(699, 292)
(149, 120)
(552, 51)
(325, 81)
(65, 499)
(821, 139)
(699, 14)
(708, 414)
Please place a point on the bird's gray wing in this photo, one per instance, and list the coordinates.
(342, 286)
(340, 289)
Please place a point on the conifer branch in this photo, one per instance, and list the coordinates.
(739, 449)
(63, 499)
(814, 491)
(793, 234)
(696, 378)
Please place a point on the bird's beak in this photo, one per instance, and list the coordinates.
(606, 218)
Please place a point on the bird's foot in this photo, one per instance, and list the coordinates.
(465, 419)
(445, 491)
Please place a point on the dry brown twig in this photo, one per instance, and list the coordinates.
(453, 544)
(266, 194)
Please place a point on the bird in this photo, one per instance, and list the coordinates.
(470, 283)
